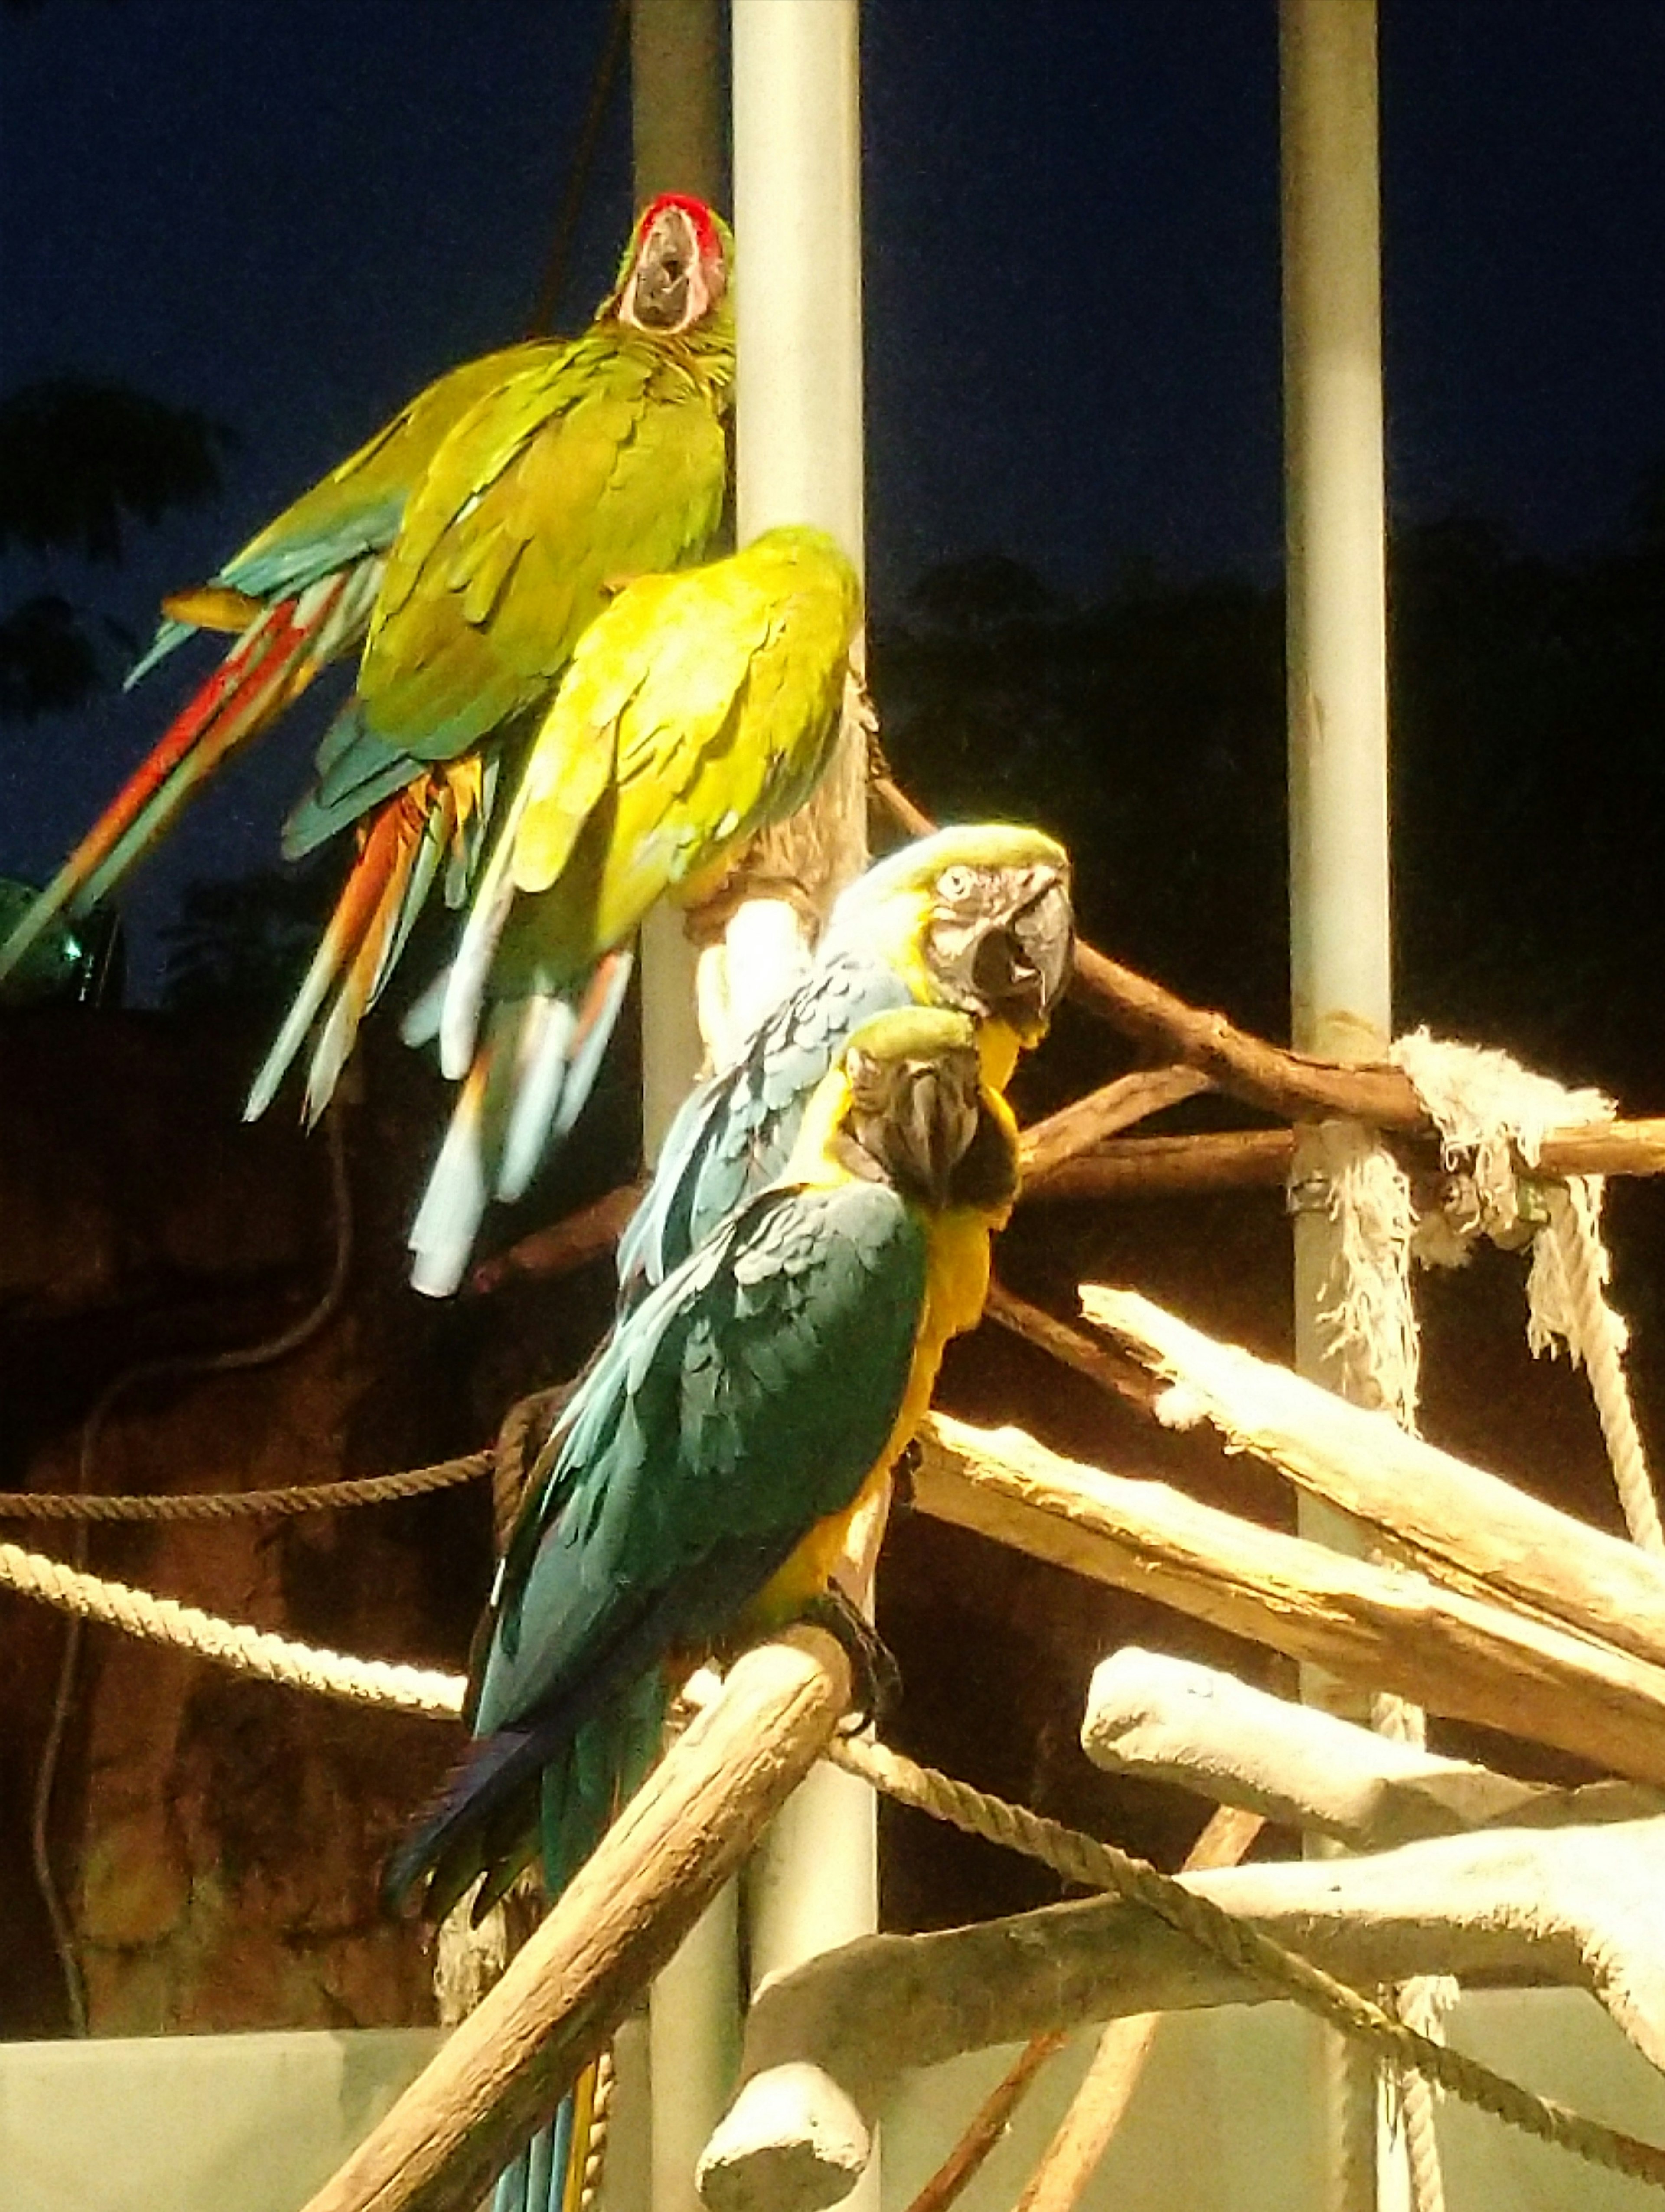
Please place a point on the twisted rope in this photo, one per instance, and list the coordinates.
(228, 1642)
(601, 2115)
(1097, 1865)
(1597, 1339)
(1422, 2004)
(1079, 1858)
(237, 1505)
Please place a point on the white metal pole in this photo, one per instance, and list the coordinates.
(1340, 982)
(1340, 938)
(1338, 688)
(798, 221)
(677, 131)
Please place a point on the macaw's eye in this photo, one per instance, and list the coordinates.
(955, 886)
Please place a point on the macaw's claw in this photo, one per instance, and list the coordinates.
(903, 1475)
(876, 1678)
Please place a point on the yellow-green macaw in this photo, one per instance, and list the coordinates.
(466, 548)
(699, 707)
(976, 917)
(700, 1483)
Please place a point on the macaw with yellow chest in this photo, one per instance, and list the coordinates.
(463, 551)
(975, 918)
(700, 1483)
(698, 708)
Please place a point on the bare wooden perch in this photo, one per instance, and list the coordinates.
(1076, 1129)
(1385, 1627)
(1575, 1906)
(1171, 1720)
(503, 2071)
(1239, 1159)
(1468, 1528)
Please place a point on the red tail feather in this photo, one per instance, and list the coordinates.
(255, 681)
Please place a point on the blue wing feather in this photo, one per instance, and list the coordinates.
(734, 1132)
(745, 1399)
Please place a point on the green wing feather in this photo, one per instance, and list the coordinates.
(359, 506)
(568, 479)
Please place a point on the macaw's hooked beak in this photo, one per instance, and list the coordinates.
(670, 289)
(913, 1120)
(1001, 943)
(1021, 965)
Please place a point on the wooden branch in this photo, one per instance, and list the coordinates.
(571, 1242)
(1076, 1128)
(1171, 1720)
(1239, 1159)
(987, 2127)
(1384, 1626)
(1291, 1084)
(1083, 2136)
(1159, 1167)
(1470, 1528)
(1073, 1347)
(1570, 1906)
(504, 2070)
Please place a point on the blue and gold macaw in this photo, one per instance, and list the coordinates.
(698, 708)
(975, 918)
(461, 554)
(700, 1483)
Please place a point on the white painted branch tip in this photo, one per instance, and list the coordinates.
(792, 2136)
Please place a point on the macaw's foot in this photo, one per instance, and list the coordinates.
(909, 1462)
(875, 1677)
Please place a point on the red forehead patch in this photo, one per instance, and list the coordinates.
(705, 228)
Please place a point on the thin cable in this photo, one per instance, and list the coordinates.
(219, 1363)
(583, 162)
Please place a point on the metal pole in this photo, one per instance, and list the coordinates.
(1340, 982)
(678, 133)
(1337, 631)
(798, 219)
(1340, 943)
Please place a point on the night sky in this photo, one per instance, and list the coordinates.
(291, 215)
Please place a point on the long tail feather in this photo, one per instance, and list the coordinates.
(548, 2175)
(442, 1234)
(425, 818)
(530, 1076)
(396, 866)
(551, 1092)
(597, 1017)
(384, 859)
(271, 663)
(464, 993)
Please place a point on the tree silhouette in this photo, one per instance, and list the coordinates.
(1527, 711)
(80, 462)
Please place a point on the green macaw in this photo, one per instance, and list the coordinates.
(466, 547)
(976, 917)
(700, 1483)
(699, 707)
